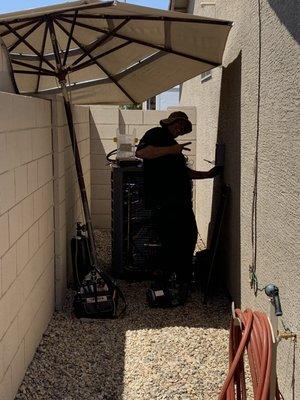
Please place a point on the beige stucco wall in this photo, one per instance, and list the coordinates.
(227, 112)
(105, 123)
(39, 206)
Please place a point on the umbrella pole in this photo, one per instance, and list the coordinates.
(61, 75)
(82, 187)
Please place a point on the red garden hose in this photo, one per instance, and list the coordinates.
(256, 337)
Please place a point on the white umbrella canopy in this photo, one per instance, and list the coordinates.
(109, 52)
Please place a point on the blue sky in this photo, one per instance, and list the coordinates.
(15, 5)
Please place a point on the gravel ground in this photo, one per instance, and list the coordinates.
(149, 354)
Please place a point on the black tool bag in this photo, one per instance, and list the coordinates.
(96, 299)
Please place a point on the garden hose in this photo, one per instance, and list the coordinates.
(255, 336)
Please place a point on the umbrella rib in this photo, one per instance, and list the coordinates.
(142, 42)
(33, 67)
(18, 27)
(32, 29)
(87, 53)
(89, 63)
(41, 61)
(70, 38)
(55, 13)
(29, 45)
(23, 71)
(98, 42)
(154, 18)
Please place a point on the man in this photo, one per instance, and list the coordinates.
(168, 192)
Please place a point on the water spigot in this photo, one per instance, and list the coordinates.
(272, 291)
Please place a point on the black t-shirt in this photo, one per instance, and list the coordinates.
(167, 181)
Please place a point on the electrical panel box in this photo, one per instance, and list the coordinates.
(135, 246)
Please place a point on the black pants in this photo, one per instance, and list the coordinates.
(177, 231)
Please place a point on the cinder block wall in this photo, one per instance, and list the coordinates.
(39, 207)
(105, 122)
(26, 234)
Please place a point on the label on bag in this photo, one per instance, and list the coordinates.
(159, 293)
(102, 298)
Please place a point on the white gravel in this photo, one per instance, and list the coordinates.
(149, 354)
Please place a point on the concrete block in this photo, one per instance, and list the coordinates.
(60, 159)
(1, 361)
(62, 135)
(101, 206)
(14, 159)
(27, 212)
(6, 388)
(45, 226)
(61, 189)
(3, 153)
(84, 148)
(33, 239)
(15, 223)
(4, 234)
(131, 117)
(18, 368)
(10, 343)
(26, 110)
(86, 164)
(24, 146)
(104, 131)
(41, 142)
(8, 268)
(32, 176)
(152, 117)
(101, 221)
(45, 170)
(102, 146)
(99, 162)
(82, 131)
(99, 177)
(104, 115)
(7, 191)
(43, 113)
(6, 112)
(21, 180)
(10, 305)
(22, 252)
(81, 114)
(101, 192)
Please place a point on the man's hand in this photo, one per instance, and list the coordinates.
(215, 171)
(206, 174)
(177, 148)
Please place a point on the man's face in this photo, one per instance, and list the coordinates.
(178, 128)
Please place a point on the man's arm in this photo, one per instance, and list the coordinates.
(205, 174)
(149, 152)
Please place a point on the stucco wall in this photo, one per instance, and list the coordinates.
(105, 123)
(227, 112)
(39, 206)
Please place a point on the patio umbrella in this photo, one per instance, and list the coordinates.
(107, 52)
